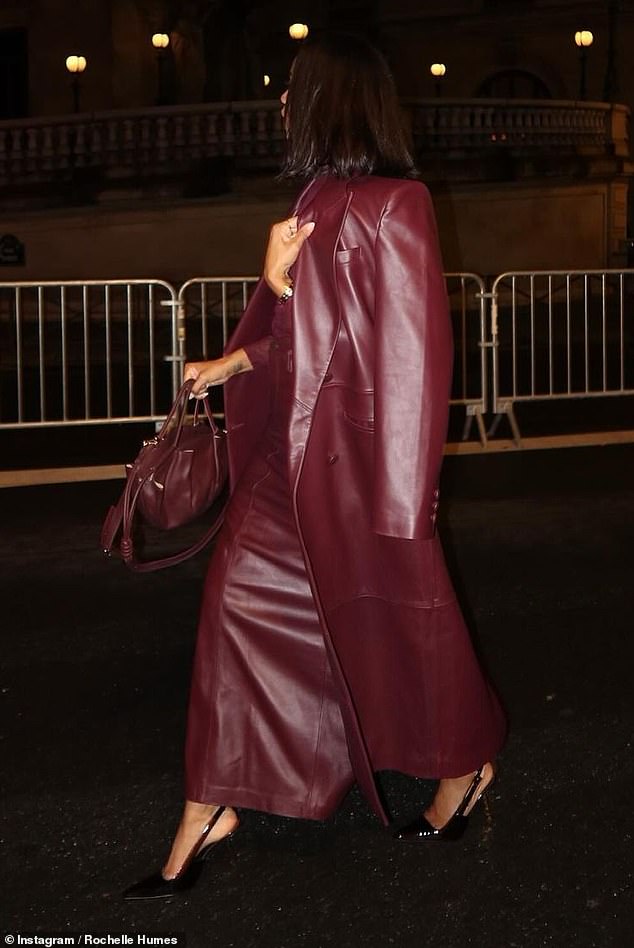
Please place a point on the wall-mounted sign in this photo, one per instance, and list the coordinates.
(11, 251)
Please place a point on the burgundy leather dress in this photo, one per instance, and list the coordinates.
(264, 728)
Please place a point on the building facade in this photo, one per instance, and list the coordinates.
(157, 155)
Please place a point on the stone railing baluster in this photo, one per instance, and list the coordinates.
(32, 152)
(79, 145)
(16, 153)
(211, 135)
(63, 149)
(228, 138)
(194, 143)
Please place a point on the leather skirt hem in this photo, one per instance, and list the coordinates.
(252, 800)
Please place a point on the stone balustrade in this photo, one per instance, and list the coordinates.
(544, 125)
(122, 145)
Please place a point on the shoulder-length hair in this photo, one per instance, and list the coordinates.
(342, 114)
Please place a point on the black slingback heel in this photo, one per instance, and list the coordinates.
(157, 886)
(454, 828)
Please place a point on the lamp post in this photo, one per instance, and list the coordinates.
(75, 66)
(160, 42)
(611, 85)
(438, 71)
(298, 31)
(584, 40)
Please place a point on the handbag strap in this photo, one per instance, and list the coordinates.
(121, 515)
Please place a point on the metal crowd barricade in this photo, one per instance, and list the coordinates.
(86, 352)
(561, 335)
(208, 311)
(468, 304)
(209, 308)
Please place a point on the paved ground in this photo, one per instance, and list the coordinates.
(94, 690)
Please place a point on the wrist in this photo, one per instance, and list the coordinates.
(238, 362)
(278, 283)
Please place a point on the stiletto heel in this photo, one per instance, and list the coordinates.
(454, 828)
(157, 886)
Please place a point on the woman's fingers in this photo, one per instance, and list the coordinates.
(285, 243)
(304, 231)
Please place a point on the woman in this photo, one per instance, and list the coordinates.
(330, 642)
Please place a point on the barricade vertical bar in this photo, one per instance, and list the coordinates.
(494, 348)
(622, 328)
(514, 335)
(86, 351)
(62, 301)
(568, 336)
(150, 303)
(41, 351)
(463, 337)
(203, 318)
(550, 335)
(108, 331)
(179, 340)
(603, 332)
(130, 351)
(19, 353)
(245, 300)
(586, 340)
(532, 286)
(484, 345)
(225, 324)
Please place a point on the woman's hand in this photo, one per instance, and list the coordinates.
(285, 243)
(216, 372)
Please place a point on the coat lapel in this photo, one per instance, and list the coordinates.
(316, 319)
(315, 308)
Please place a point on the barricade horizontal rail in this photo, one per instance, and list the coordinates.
(561, 334)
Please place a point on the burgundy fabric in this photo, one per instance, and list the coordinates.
(265, 729)
(361, 448)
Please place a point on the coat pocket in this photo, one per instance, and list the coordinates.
(347, 256)
(358, 410)
(363, 424)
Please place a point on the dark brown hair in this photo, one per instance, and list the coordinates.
(342, 113)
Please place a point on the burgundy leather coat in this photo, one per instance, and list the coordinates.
(373, 362)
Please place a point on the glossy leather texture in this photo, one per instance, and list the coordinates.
(366, 424)
(157, 886)
(265, 728)
(454, 829)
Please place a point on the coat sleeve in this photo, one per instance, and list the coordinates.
(413, 368)
(258, 352)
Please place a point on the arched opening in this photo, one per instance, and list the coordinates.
(514, 84)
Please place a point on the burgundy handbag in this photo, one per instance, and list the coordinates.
(175, 478)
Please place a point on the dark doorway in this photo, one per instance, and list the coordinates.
(14, 76)
(514, 84)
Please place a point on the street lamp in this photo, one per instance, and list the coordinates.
(75, 65)
(438, 70)
(583, 39)
(298, 31)
(160, 42)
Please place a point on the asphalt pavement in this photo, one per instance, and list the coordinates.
(94, 688)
